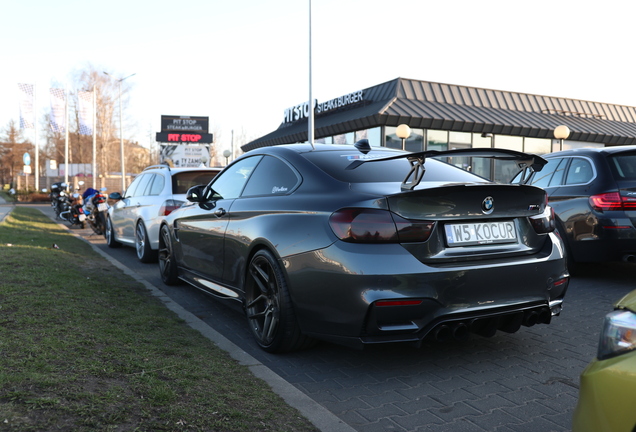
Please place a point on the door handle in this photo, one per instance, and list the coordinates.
(219, 212)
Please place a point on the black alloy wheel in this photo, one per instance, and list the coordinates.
(109, 234)
(269, 308)
(167, 264)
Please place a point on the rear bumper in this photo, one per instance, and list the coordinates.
(335, 292)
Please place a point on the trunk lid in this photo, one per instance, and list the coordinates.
(473, 221)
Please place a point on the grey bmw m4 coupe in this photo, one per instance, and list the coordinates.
(363, 245)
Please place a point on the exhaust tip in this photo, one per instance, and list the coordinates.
(629, 258)
(545, 316)
(442, 333)
(530, 319)
(461, 332)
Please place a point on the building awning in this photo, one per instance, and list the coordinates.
(426, 105)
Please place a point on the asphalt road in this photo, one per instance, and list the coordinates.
(527, 381)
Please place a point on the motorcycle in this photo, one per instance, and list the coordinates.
(58, 191)
(95, 208)
(72, 210)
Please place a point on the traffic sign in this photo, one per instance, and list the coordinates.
(27, 159)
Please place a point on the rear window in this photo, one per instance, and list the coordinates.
(334, 164)
(183, 181)
(623, 166)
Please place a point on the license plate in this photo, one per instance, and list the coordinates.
(481, 233)
(102, 207)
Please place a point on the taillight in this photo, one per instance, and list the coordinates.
(612, 201)
(357, 225)
(169, 206)
(543, 223)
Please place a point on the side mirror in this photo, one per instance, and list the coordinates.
(115, 196)
(81, 182)
(195, 194)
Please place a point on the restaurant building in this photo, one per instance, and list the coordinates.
(445, 116)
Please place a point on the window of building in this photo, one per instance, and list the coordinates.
(537, 146)
(414, 143)
(391, 140)
(482, 140)
(347, 138)
(567, 145)
(460, 139)
(436, 140)
(374, 136)
(509, 142)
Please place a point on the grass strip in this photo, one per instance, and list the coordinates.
(84, 347)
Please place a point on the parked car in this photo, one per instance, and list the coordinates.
(593, 193)
(608, 384)
(133, 219)
(360, 245)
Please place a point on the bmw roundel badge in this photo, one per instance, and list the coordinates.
(488, 205)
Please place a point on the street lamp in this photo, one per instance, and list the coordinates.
(226, 155)
(121, 135)
(561, 132)
(403, 131)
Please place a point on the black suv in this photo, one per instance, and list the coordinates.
(593, 193)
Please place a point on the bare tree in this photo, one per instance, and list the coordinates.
(12, 147)
(108, 155)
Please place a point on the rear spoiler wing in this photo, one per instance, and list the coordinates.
(527, 163)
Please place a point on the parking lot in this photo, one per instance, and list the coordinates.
(527, 381)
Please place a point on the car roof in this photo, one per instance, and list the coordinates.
(174, 170)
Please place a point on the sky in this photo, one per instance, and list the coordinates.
(243, 62)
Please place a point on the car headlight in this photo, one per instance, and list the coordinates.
(618, 335)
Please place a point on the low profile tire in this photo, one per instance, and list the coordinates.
(109, 234)
(142, 245)
(268, 306)
(167, 263)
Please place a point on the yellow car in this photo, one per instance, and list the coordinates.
(607, 398)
